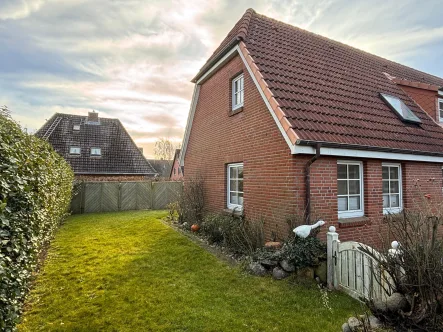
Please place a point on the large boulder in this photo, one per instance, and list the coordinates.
(278, 273)
(287, 266)
(354, 323)
(268, 263)
(380, 306)
(321, 271)
(345, 328)
(397, 302)
(257, 269)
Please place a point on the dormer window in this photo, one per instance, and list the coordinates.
(440, 109)
(74, 150)
(76, 127)
(96, 151)
(400, 108)
(237, 92)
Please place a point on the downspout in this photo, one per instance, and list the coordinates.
(308, 183)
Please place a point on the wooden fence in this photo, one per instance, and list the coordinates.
(121, 196)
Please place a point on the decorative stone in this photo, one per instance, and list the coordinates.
(321, 271)
(273, 245)
(268, 263)
(380, 306)
(287, 266)
(397, 302)
(306, 272)
(375, 323)
(353, 323)
(345, 328)
(278, 273)
(257, 269)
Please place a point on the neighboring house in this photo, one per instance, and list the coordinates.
(98, 149)
(162, 167)
(284, 121)
(176, 171)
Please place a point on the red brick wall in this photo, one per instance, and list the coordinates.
(274, 185)
(425, 98)
(177, 175)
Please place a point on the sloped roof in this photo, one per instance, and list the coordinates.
(329, 91)
(119, 154)
(161, 166)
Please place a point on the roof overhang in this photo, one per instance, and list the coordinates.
(295, 145)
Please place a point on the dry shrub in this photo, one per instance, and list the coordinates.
(191, 204)
(416, 271)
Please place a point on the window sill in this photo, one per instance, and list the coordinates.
(236, 111)
(353, 222)
(236, 212)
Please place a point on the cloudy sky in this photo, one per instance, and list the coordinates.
(134, 59)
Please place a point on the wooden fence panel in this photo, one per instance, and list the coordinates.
(122, 196)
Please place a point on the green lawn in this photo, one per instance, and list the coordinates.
(130, 272)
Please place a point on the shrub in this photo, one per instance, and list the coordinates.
(298, 251)
(35, 193)
(416, 270)
(191, 203)
(238, 234)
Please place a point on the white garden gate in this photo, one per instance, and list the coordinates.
(355, 272)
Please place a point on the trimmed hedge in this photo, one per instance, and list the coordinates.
(35, 193)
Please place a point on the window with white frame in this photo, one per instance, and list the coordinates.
(74, 150)
(235, 185)
(96, 151)
(440, 109)
(392, 189)
(350, 189)
(237, 92)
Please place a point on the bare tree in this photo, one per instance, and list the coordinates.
(164, 149)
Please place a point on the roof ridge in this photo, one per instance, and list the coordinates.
(245, 21)
(346, 46)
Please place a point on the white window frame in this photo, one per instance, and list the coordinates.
(95, 154)
(240, 91)
(71, 148)
(228, 177)
(398, 209)
(439, 110)
(76, 127)
(361, 211)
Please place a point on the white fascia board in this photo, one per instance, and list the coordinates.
(222, 61)
(324, 151)
(181, 158)
(440, 93)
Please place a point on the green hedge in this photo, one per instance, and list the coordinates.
(35, 193)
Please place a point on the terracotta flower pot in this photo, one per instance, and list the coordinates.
(195, 228)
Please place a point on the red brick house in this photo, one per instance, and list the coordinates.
(284, 121)
(176, 173)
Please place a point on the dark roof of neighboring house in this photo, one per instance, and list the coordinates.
(162, 167)
(119, 154)
(329, 92)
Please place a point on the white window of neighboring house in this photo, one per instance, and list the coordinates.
(392, 188)
(350, 189)
(74, 150)
(237, 92)
(440, 109)
(235, 185)
(96, 151)
(76, 127)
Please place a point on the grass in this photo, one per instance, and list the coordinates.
(129, 272)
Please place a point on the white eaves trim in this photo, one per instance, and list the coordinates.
(324, 151)
(295, 149)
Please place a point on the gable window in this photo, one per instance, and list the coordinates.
(350, 189)
(74, 150)
(96, 151)
(235, 185)
(392, 189)
(237, 92)
(440, 109)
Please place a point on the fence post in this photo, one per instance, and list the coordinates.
(332, 238)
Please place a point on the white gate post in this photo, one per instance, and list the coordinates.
(332, 238)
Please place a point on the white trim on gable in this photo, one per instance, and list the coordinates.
(181, 158)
